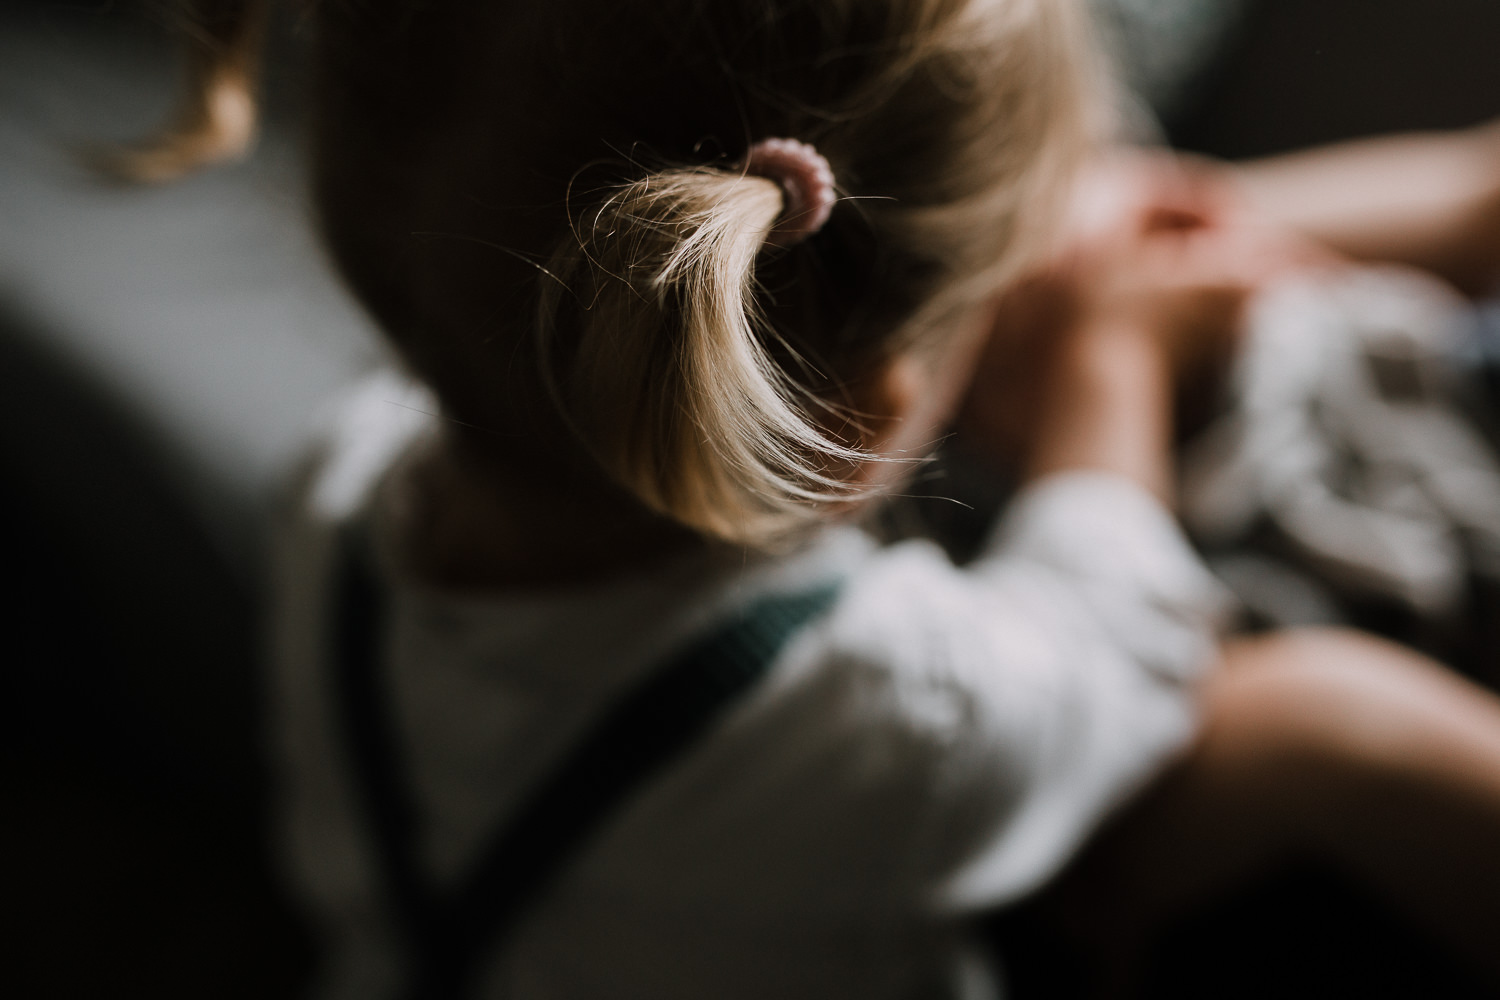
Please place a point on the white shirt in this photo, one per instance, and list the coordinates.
(938, 744)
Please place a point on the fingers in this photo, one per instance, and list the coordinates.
(1153, 243)
(1139, 190)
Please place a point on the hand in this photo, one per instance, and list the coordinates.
(1166, 246)
(1152, 247)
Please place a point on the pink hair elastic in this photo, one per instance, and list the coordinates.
(806, 182)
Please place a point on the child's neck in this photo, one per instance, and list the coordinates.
(467, 520)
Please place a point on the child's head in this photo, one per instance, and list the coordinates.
(545, 206)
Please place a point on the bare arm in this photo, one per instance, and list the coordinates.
(1429, 200)
(1108, 408)
(1087, 352)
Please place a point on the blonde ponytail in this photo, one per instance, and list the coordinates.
(665, 374)
(626, 330)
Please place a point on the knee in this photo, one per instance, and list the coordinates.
(1329, 688)
(1324, 717)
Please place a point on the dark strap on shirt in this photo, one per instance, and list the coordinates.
(653, 724)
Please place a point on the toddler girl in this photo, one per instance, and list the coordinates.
(591, 684)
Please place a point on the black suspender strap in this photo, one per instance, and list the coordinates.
(652, 725)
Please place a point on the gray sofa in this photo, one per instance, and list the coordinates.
(161, 352)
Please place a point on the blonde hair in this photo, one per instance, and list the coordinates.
(543, 206)
(667, 379)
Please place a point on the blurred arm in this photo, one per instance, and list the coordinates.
(1108, 409)
(1428, 200)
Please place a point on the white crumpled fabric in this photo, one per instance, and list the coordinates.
(1343, 439)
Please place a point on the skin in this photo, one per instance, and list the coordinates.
(1428, 200)
(465, 524)
(1214, 233)
(1331, 743)
(1328, 744)
(1318, 742)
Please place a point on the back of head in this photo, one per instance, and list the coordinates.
(545, 205)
